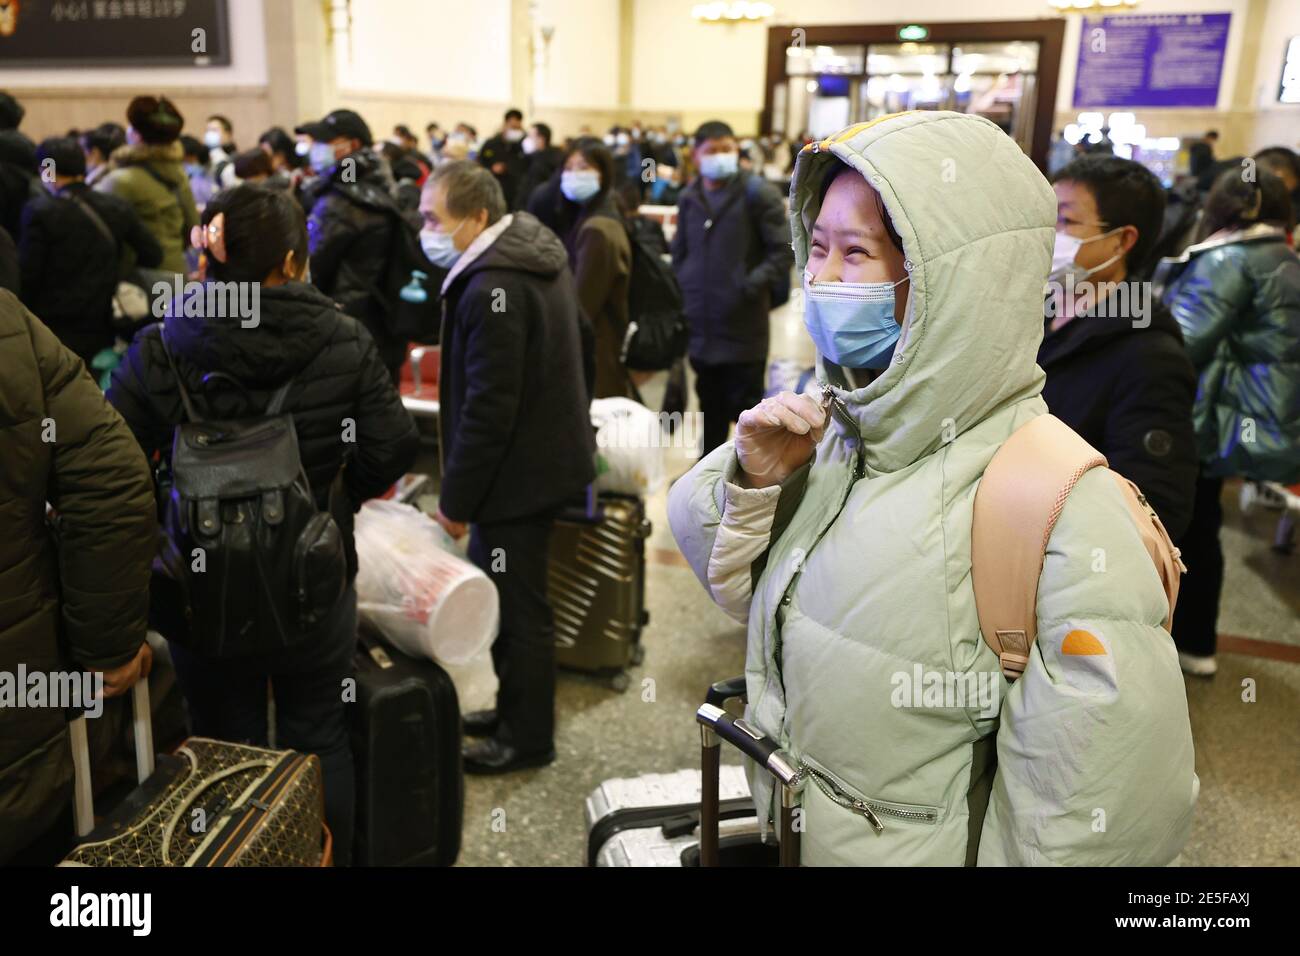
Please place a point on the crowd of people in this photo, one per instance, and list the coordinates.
(529, 243)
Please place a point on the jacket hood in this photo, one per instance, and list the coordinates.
(524, 245)
(294, 322)
(977, 221)
(158, 154)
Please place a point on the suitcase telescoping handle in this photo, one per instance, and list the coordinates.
(83, 804)
(717, 725)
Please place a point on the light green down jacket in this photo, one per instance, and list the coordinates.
(855, 574)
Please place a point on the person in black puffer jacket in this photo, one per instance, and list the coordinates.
(18, 179)
(353, 434)
(98, 232)
(351, 224)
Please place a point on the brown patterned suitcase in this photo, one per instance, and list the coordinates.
(210, 803)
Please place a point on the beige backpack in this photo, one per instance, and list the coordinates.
(1017, 504)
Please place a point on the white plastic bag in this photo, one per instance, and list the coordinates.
(630, 441)
(476, 683)
(425, 599)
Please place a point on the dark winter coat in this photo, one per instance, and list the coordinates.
(350, 236)
(300, 335)
(515, 430)
(1127, 387)
(61, 240)
(80, 603)
(731, 246)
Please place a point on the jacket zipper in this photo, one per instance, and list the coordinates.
(867, 808)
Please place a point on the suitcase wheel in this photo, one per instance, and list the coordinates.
(620, 682)
(638, 655)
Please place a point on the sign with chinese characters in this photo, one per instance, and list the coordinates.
(1173, 59)
(126, 33)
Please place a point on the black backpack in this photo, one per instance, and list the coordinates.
(657, 333)
(258, 565)
(410, 286)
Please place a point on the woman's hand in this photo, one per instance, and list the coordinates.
(777, 437)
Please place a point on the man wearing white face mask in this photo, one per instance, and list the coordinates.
(514, 432)
(731, 247)
(1117, 370)
(504, 154)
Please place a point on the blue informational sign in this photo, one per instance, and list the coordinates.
(1173, 59)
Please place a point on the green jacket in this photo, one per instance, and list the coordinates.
(864, 655)
(62, 443)
(166, 207)
(1237, 299)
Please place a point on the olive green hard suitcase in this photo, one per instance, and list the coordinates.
(597, 586)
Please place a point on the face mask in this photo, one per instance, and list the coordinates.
(1067, 247)
(321, 157)
(439, 248)
(302, 147)
(609, 139)
(852, 323)
(530, 146)
(719, 165)
(579, 185)
(212, 139)
(514, 135)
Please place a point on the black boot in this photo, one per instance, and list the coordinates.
(490, 756)
(479, 723)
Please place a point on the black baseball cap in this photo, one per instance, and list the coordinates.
(338, 123)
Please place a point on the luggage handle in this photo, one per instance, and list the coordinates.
(83, 802)
(725, 690)
(750, 741)
(717, 725)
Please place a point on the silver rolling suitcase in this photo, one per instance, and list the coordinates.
(653, 820)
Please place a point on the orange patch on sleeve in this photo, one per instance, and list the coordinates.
(1081, 643)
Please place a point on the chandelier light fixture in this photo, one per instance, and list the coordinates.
(735, 11)
(1092, 6)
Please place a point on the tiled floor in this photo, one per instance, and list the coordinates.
(1248, 753)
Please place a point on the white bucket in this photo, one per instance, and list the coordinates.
(428, 602)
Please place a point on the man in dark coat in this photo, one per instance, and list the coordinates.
(350, 227)
(18, 171)
(1117, 370)
(515, 433)
(503, 154)
(731, 247)
(542, 162)
(75, 231)
(83, 595)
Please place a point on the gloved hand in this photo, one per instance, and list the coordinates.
(776, 438)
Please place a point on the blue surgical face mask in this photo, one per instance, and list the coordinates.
(579, 185)
(439, 247)
(719, 165)
(321, 157)
(212, 139)
(852, 323)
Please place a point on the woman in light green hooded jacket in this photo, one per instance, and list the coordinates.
(843, 538)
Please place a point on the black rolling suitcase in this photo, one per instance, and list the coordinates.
(597, 586)
(406, 746)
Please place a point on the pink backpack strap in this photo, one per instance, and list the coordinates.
(1017, 504)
